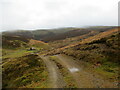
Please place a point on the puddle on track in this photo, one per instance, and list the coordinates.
(73, 69)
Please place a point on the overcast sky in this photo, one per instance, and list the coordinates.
(37, 14)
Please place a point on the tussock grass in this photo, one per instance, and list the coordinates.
(23, 71)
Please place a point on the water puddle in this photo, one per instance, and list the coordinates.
(73, 69)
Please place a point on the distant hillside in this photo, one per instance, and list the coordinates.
(22, 33)
(14, 42)
(36, 34)
(89, 39)
(71, 40)
(56, 34)
(107, 46)
(38, 44)
(101, 28)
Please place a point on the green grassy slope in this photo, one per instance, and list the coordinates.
(17, 46)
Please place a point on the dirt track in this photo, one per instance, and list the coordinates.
(83, 78)
(55, 78)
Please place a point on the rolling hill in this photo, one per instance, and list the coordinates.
(100, 52)
(60, 56)
(86, 39)
(56, 34)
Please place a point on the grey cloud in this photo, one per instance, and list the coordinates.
(34, 14)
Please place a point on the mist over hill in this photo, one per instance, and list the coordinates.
(56, 34)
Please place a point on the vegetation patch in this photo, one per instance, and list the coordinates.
(101, 54)
(13, 42)
(24, 71)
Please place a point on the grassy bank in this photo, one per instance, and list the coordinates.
(26, 71)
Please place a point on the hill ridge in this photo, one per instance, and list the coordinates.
(87, 40)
